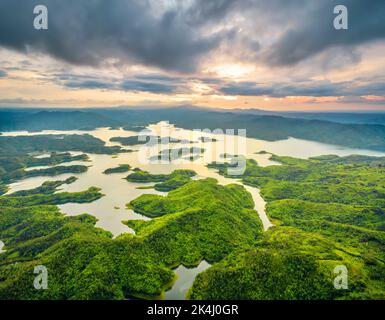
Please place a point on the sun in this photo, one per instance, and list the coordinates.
(235, 71)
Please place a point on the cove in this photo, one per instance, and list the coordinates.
(185, 280)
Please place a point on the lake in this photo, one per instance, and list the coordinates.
(111, 210)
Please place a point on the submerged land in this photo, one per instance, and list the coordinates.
(326, 211)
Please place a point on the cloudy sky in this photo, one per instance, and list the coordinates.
(268, 54)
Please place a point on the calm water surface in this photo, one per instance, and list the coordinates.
(185, 280)
(111, 210)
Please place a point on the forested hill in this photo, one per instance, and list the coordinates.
(52, 120)
(267, 127)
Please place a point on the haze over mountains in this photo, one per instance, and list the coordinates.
(357, 130)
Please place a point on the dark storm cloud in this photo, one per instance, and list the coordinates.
(206, 11)
(315, 32)
(89, 32)
(304, 88)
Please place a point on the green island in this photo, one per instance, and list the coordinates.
(327, 211)
(177, 153)
(135, 128)
(86, 263)
(48, 187)
(136, 140)
(207, 139)
(148, 140)
(58, 143)
(13, 168)
(53, 171)
(55, 158)
(119, 169)
(165, 182)
(19, 153)
(331, 210)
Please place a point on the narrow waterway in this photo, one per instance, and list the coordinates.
(111, 209)
(185, 280)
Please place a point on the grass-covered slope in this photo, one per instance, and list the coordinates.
(201, 220)
(260, 274)
(328, 211)
(327, 208)
(83, 262)
(165, 182)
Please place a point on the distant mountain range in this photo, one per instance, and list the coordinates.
(357, 130)
(341, 117)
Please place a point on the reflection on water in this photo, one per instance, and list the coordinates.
(185, 279)
(111, 209)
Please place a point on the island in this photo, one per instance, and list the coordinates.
(119, 169)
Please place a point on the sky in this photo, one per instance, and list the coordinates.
(264, 54)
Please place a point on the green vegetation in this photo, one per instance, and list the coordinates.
(89, 195)
(54, 159)
(260, 274)
(176, 153)
(149, 140)
(120, 169)
(136, 140)
(54, 171)
(364, 134)
(46, 143)
(48, 187)
(13, 168)
(85, 263)
(166, 182)
(329, 209)
(134, 128)
(16, 155)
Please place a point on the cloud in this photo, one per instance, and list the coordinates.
(153, 83)
(315, 33)
(134, 85)
(203, 11)
(89, 84)
(93, 32)
(307, 88)
(179, 35)
(21, 101)
(3, 74)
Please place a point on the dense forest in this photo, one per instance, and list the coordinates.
(327, 211)
(16, 154)
(329, 208)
